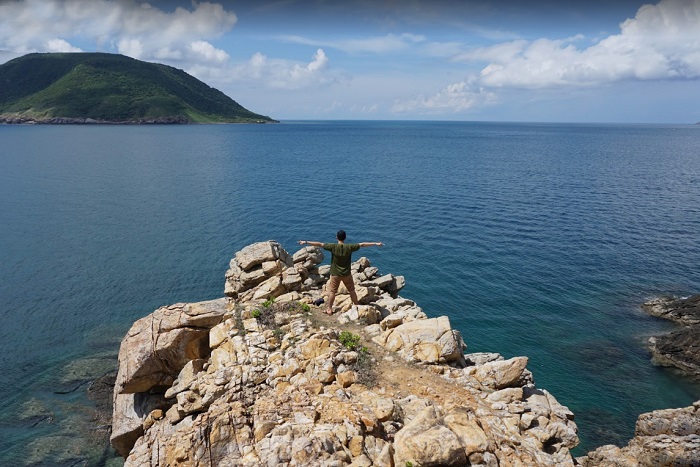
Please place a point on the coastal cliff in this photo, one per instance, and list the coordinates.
(262, 377)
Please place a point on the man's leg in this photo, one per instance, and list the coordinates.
(332, 290)
(350, 285)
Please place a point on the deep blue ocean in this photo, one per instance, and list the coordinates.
(535, 239)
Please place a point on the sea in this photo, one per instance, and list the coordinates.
(535, 239)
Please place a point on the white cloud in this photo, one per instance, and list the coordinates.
(131, 27)
(661, 42)
(60, 45)
(456, 97)
(284, 74)
(208, 52)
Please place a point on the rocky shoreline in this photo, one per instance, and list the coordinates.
(680, 348)
(261, 377)
(22, 120)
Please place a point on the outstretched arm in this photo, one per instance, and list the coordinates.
(306, 242)
(371, 244)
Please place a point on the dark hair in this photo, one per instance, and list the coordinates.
(341, 235)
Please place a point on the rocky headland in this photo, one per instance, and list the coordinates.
(680, 348)
(261, 377)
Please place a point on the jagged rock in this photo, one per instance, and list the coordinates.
(479, 358)
(255, 264)
(268, 392)
(308, 257)
(499, 374)
(684, 311)
(662, 437)
(158, 346)
(129, 415)
(425, 440)
(429, 341)
(368, 314)
(679, 348)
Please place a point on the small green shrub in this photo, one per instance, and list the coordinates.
(269, 302)
(305, 307)
(257, 314)
(350, 341)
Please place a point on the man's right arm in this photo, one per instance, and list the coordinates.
(306, 242)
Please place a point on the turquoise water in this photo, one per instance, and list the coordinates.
(535, 239)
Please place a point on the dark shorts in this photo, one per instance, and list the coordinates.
(334, 282)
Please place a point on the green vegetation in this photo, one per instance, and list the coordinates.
(112, 88)
(364, 367)
(350, 341)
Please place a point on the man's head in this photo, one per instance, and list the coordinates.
(340, 235)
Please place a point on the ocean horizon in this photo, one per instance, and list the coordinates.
(535, 239)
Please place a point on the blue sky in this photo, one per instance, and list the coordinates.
(554, 61)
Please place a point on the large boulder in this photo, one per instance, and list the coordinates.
(426, 441)
(158, 346)
(255, 264)
(499, 374)
(424, 340)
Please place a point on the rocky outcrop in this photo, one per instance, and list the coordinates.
(662, 437)
(684, 311)
(264, 379)
(680, 348)
(152, 354)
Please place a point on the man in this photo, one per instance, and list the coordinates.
(341, 259)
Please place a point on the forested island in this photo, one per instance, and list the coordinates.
(109, 88)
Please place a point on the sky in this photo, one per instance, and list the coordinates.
(621, 61)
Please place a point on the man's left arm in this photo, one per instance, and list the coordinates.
(365, 244)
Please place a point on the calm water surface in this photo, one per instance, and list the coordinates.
(535, 239)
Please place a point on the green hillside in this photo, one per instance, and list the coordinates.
(110, 88)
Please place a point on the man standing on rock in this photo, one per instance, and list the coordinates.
(341, 259)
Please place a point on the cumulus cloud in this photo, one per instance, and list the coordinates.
(661, 42)
(130, 27)
(456, 97)
(282, 74)
(60, 45)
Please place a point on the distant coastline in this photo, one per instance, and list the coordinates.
(177, 120)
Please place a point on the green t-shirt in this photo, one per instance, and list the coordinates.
(341, 257)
